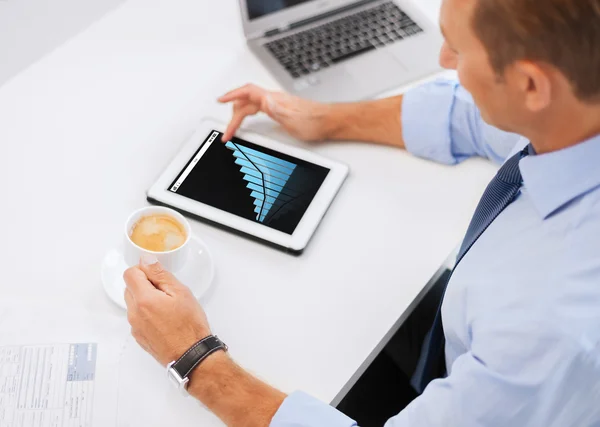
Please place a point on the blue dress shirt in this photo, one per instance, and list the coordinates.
(521, 313)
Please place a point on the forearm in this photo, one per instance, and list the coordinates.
(235, 396)
(371, 121)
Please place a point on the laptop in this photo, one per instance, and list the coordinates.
(341, 50)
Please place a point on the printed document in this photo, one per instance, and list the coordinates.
(47, 385)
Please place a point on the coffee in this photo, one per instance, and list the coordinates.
(158, 233)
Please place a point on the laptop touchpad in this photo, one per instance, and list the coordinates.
(379, 66)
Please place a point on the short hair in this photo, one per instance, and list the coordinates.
(562, 33)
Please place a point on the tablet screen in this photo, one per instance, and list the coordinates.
(250, 181)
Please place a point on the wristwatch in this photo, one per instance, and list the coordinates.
(178, 371)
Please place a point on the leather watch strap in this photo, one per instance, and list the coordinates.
(196, 354)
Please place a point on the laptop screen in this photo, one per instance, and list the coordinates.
(258, 8)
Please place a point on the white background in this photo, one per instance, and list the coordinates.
(30, 29)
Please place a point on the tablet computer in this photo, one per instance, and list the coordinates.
(251, 184)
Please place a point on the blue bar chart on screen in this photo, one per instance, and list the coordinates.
(267, 177)
(251, 181)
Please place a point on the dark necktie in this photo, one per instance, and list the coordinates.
(498, 195)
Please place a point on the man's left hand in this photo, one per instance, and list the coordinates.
(165, 317)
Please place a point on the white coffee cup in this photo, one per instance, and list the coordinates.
(173, 260)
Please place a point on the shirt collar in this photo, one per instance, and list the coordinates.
(554, 179)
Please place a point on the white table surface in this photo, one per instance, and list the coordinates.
(85, 131)
(30, 29)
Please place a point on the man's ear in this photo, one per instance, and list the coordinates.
(534, 83)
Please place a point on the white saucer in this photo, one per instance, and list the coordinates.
(197, 274)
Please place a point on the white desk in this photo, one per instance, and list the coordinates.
(32, 28)
(84, 132)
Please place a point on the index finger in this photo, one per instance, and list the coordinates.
(137, 282)
(236, 122)
(250, 91)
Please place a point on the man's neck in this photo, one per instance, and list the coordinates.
(567, 128)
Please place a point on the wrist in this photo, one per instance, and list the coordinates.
(180, 371)
(214, 367)
(335, 119)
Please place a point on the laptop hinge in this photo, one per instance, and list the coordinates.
(290, 26)
(281, 29)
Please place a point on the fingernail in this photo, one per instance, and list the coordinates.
(148, 259)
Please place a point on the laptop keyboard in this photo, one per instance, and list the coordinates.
(320, 47)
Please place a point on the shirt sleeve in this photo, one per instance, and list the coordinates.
(301, 410)
(441, 122)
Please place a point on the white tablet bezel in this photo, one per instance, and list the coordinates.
(159, 192)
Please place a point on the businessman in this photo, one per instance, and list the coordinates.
(516, 341)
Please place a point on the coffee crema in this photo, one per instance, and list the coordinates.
(158, 233)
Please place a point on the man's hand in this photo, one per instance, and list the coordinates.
(372, 121)
(166, 320)
(303, 119)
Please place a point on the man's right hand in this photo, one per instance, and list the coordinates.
(301, 118)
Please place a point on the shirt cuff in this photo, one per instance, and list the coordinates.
(426, 112)
(300, 409)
